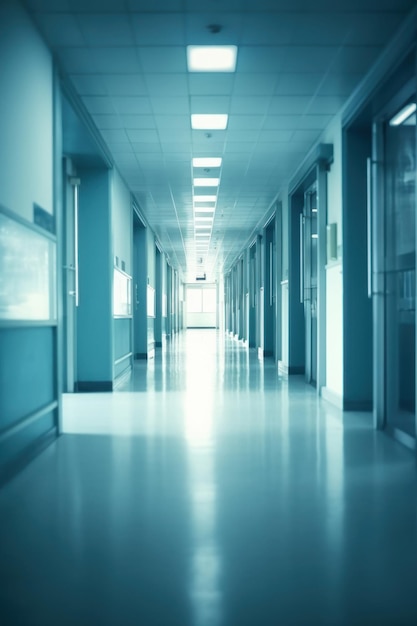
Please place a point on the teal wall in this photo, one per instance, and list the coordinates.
(29, 400)
(26, 110)
(357, 307)
(95, 314)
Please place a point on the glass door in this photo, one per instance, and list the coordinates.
(400, 263)
(309, 281)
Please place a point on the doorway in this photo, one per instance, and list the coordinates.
(309, 240)
(393, 180)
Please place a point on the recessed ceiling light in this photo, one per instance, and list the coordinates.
(200, 220)
(402, 115)
(205, 198)
(209, 121)
(206, 182)
(211, 58)
(207, 162)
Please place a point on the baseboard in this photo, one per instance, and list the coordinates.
(93, 385)
(357, 405)
(404, 438)
(14, 467)
(140, 355)
(158, 344)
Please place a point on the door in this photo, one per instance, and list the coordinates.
(396, 251)
(309, 268)
(70, 278)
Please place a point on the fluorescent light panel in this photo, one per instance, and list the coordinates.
(205, 198)
(209, 121)
(207, 162)
(206, 182)
(402, 115)
(211, 58)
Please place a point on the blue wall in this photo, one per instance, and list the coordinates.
(94, 314)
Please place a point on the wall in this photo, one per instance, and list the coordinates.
(26, 108)
(95, 310)
(29, 401)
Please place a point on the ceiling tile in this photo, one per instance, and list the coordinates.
(108, 121)
(268, 59)
(170, 135)
(173, 122)
(304, 59)
(339, 84)
(259, 84)
(287, 105)
(61, 30)
(209, 104)
(121, 60)
(114, 135)
(153, 29)
(77, 60)
(138, 135)
(138, 121)
(197, 27)
(98, 105)
(88, 84)
(125, 84)
(167, 84)
(245, 122)
(298, 84)
(276, 135)
(132, 105)
(170, 106)
(207, 84)
(325, 104)
(106, 30)
(353, 60)
(266, 29)
(249, 105)
(163, 60)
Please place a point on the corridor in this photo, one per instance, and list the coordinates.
(209, 491)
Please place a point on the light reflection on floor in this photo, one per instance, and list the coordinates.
(208, 491)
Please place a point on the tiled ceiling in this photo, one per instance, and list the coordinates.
(298, 62)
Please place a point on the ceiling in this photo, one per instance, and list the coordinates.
(298, 62)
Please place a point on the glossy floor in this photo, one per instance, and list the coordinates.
(208, 491)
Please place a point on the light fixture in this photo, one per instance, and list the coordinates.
(205, 198)
(211, 58)
(201, 220)
(206, 182)
(204, 207)
(207, 162)
(403, 114)
(209, 121)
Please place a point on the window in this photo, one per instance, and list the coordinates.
(201, 300)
